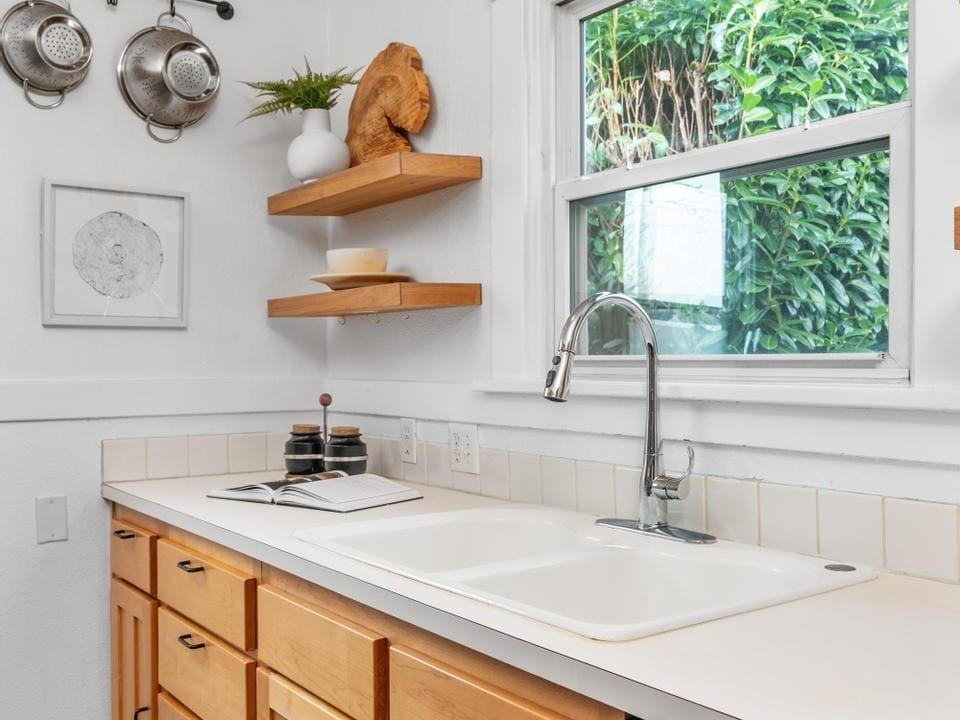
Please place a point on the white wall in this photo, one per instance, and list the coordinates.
(485, 365)
(231, 359)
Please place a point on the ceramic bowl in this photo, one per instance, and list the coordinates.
(357, 260)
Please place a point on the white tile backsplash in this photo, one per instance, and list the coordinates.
(168, 457)
(466, 482)
(911, 537)
(691, 512)
(124, 460)
(209, 455)
(247, 453)
(733, 510)
(851, 527)
(595, 489)
(525, 482)
(788, 518)
(391, 458)
(494, 474)
(276, 448)
(922, 539)
(626, 484)
(559, 482)
(438, 465)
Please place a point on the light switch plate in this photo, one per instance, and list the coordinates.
(408, 440)
(51, 518)
(464, 448)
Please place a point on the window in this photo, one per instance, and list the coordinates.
(740, 167)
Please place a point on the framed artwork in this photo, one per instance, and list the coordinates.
(114, 256)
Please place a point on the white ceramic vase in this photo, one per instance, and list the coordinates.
(317, 152)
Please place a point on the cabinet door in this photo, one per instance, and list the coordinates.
(133, 622)
(422, 688)
(280, 699)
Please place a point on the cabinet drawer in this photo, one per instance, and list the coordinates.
(169, 708)
(422, 688)
(211, 678)
(280, 699)
(208, 592)
(133, 555)
(340, 662)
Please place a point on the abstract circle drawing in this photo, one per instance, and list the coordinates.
(117, 255)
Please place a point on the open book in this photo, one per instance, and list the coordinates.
(337, 492)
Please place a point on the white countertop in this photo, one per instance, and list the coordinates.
(889, 648)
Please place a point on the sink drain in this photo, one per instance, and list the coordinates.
(839, 567)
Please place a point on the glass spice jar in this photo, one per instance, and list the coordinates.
(346, 451)
(303, 453)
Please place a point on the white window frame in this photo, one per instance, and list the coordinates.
(893, 123)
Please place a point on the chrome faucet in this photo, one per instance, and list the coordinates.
(656, 487)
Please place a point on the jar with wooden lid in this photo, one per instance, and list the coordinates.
(345, 451)
(303, 453)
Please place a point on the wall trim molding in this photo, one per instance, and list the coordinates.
(880, 433)
(102, 398)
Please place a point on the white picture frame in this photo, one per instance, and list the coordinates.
(114, 256)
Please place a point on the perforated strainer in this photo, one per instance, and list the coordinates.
(188, 74)
(168, 77)
(45, 48)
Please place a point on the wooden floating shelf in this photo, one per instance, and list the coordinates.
(393, 297)
(378, 182)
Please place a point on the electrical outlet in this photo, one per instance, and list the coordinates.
(408, 441)
(464, 448)
(51, 518)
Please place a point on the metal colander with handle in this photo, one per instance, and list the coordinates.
(168, 77)
(45, 49)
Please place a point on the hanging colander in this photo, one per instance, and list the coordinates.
(168, 77)
(45, 48)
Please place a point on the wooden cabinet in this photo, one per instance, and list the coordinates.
(322, 656)
(211, 678)
(213, 594)
(133, 555)
(169, 708)
(422, 688)
(133, 651)
(280, 699)
(334, 658)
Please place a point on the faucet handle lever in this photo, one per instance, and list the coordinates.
(670, 487)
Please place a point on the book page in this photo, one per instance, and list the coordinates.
(347, 489)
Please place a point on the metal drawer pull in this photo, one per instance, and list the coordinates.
(187, 567)
(136, 714)
(185, 641)
(124, 535)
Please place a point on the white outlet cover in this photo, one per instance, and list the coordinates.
(464, 448)
(408, 441)
(51, 518)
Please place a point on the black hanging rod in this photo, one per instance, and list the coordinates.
(224, 8)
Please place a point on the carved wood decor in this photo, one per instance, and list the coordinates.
(392, 99)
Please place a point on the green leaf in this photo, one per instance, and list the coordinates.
(757, 114)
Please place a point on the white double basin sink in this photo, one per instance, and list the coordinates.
(561, 569)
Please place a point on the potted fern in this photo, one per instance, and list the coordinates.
(317, 151)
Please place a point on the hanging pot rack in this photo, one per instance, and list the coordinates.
(224, 9)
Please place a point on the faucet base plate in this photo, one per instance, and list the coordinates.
(668, 532)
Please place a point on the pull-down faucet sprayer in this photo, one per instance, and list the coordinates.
(656, 487)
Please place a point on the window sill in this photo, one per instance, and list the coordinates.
(866, 396)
